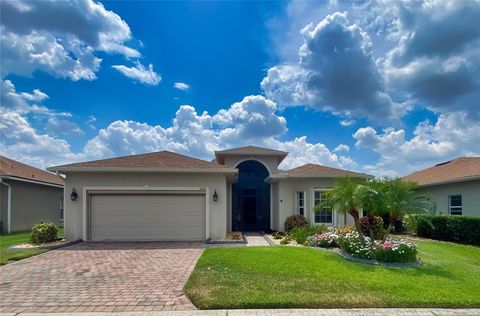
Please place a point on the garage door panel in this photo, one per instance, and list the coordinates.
(147, 217)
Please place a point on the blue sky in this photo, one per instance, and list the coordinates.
(385, 88)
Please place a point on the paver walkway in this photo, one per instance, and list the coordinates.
(255, 239)
(301, 312)
(101, 277)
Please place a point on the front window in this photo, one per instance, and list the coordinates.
(61, 208)
(325, 216)
(455, 204)
(300, 198)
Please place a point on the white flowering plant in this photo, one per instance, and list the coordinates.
(355, 246)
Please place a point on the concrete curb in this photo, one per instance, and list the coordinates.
(281, 312)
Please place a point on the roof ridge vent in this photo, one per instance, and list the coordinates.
(442, 163)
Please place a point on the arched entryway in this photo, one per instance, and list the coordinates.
(251, 198)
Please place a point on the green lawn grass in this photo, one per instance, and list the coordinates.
(8, 240)
(287, 277)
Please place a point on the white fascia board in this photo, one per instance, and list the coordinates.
(33, 181)
(465, 179)
(286, 176)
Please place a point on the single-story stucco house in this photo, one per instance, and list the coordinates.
(454, 185)
(168, 196)
(28, 196)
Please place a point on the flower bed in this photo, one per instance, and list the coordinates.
(391, 250)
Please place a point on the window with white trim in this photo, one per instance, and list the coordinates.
(300, 202)
(61, 208)
(325, 216)
(455, 204)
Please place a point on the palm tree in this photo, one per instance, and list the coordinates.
(347, 197)
(401, 198)
(373, 202)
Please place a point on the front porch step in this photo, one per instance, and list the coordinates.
(255, 239)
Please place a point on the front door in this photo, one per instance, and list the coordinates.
(251, 198)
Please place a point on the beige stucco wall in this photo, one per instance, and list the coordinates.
(470, 191)
(274, 206)
(287, 189)
(217, 210)
(4, 207)
(31, 204)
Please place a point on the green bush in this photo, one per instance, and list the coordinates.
(43, 233)
(299, 234)
(424, 225)
(463, 229)
(295, 221)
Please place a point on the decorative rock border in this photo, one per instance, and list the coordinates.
(45, 246)
(345, 255)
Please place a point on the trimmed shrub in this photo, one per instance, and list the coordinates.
(376, 224)
(295, 221)
(43, 233)
(463, 229)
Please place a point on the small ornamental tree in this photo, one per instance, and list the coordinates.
(347, 197)
(400, 198)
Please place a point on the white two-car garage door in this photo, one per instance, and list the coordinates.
(136, 217)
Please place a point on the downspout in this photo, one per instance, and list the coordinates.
(9, 205)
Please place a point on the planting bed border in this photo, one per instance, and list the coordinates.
(343, 254)
(346, 256)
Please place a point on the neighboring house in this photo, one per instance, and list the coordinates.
(454, 185)
(167, 196)
(28, 196)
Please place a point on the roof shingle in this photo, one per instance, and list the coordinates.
(161, 159)
(314, 170)
(15, 169)
(252, 150)
(462, 168)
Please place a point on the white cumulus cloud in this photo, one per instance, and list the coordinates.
(181, 86)
(453, 135)
(139, 73)
(33, 37)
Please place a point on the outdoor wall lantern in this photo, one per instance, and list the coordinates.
(73, 195)
(215, 196)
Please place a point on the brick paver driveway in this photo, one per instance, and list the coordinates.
(101, 277)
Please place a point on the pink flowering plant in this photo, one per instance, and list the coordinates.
(327, 239)
(395, 250)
